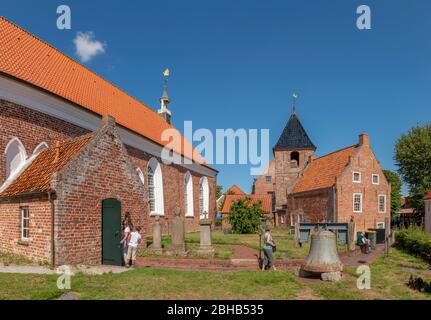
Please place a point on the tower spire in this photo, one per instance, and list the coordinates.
(164, 111)
(294, 97)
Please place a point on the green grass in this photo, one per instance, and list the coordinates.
(389, 281)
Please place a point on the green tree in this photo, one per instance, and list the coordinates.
(413, 156)
(245, 216)
(395, 180)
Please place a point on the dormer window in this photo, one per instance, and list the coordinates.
(356, 177)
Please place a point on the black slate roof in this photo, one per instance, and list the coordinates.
(294, 136)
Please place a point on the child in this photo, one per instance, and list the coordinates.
(135, 238)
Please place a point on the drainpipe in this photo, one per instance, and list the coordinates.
(334, 204)
(51, 200)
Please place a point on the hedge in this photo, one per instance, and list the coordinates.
(415, 241)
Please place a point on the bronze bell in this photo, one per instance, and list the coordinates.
(323, 255)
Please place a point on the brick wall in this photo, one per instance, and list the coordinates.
(33, 127)
(364, 162)
(286, 174)
(260, 185)
(38, 246)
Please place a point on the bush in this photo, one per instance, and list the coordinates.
(415, 241)
(245, 216)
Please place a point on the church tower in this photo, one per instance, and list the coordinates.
(164, 111)
(292, 152)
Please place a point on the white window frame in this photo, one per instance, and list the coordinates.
(378, 203)
(25, 217)
(353, 177)
(154, 169)
(266, 180)
(378, 178)
(19, 158)
(203, 197)
(40, 147)
(140, 176)
(188, 195)
(360, 203)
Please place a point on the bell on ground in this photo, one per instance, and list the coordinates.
(323, 257)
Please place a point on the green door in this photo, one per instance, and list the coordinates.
(111, 232)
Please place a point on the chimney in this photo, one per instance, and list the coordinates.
(364, 140)
(57, 151)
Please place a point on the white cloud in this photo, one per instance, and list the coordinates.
(87, 47)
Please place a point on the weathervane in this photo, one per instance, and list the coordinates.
(294, 96)
(165, 77)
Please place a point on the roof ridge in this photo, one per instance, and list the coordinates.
(328, 154)
(76, 61)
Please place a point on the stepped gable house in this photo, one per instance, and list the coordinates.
(332, 188)
(78, 155)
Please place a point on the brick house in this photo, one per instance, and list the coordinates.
(74, 148)
(331, 188)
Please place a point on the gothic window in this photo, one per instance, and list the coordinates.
(15, 157)
(140, 176)
(155, 188)
(42, 146)
(203, 196)
(188, 195)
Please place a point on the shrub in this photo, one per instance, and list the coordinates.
(245, 216)
(415, 241)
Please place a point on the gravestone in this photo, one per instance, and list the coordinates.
(157, 236)
(178, 245)
(205, 248)
(351, 235)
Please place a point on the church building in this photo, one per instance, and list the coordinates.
(78, 155)
(334, 187)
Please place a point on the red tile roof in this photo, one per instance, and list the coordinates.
(25, 57)
(37, 176)
(234, 189)
(322, 171)
(264, 199)
(428, 196)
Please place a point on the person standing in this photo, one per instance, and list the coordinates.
(125, 233)
(268, 249)
(135, 239)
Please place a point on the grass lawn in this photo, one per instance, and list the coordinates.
(389, 278)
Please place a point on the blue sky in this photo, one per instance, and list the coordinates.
(235, 64)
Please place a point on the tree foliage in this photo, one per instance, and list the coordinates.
(245, 216)
(395, 180)
(219, 191)
(413, 156)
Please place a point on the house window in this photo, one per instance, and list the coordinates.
(382, 203)
(203, 197)
(357, 202)
(155, 188)
(268, 179)
(188, 195)
(376, 179)
(356, 177)
(25, 229)
(380, 225)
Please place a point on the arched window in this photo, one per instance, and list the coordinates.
(15, 156)
(294, 158)
(155, 188)
(42, 146)
(203, 197)
(188, 195)
(140, 175)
